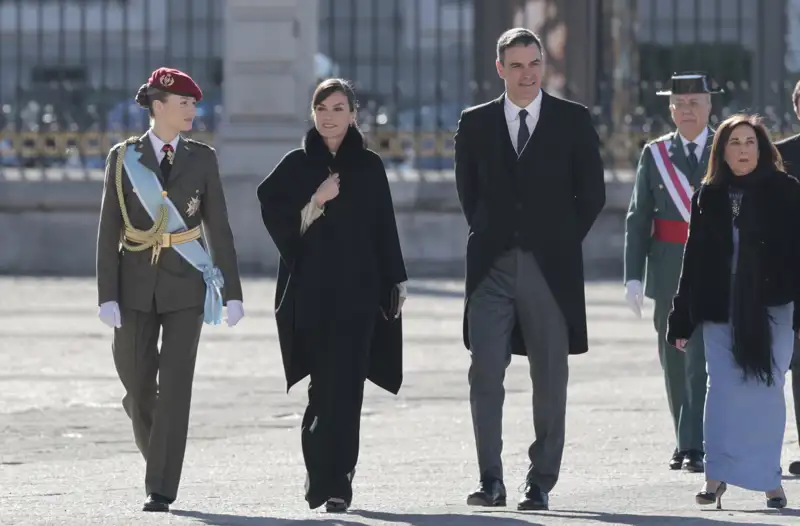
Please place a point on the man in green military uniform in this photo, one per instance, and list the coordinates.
(656, 227)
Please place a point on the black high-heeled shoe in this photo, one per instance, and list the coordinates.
(709, 497)
(777, 502)
(339, 505)
(335, 505)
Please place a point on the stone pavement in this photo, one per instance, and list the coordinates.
(67, 455)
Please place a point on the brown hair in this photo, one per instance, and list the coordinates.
(769, 158)
(147, 95)
(330, 86)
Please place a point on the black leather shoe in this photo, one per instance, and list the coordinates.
(794, 467)
(156, 502)
(694, 462)
(491, 492)
(534, 499)
(677, 459)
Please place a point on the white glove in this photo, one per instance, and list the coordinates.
(634, 296)
(109, 314)
(235, 312)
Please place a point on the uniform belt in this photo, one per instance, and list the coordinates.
(670, 231)
(165, 240)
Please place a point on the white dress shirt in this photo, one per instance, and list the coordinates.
(512, 117)
(700, 141)
(158, 144)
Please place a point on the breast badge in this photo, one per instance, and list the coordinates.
(193, 206)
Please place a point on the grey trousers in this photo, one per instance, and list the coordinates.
(796, 385)
(158, 388)
(514, 289)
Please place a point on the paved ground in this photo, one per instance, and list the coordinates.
(67, 456)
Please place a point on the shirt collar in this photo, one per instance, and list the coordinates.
(512, 110)
(700, 141)
(158, 144)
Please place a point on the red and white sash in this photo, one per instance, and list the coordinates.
(675, 181)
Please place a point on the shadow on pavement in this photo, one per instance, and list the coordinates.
(212, 519)
(644, 520)
(785, 512)
(445, 519)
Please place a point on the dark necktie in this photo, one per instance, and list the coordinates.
(692, 157)
(524, 132)
(166, 162)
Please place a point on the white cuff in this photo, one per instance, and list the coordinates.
(403, 289)
(310, 213)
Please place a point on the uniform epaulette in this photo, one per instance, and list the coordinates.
(129, 140)
(198, 143)
(665, 137)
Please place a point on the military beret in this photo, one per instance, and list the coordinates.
(175, 81)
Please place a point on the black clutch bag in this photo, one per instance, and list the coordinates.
(391, 303)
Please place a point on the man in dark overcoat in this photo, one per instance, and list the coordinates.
(530, 180)
(789, 149)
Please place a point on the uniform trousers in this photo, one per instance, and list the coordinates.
(685, 379)
(515, 290)
(158, 387)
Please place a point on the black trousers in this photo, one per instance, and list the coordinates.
(331, 426)
(796, 385)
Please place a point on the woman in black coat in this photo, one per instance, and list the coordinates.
(740, 282)
(341, 285)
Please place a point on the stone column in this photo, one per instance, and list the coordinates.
(268, 64)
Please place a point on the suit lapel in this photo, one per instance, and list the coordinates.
(148, 158)
(505, 146)
(182, 153)
(545, 112)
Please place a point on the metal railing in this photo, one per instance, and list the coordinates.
(69, 69)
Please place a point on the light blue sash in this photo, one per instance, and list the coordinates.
(149, 190)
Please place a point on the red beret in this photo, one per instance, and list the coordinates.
(175, 81)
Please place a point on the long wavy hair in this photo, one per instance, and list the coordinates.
(718, 172)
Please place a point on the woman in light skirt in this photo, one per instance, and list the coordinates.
(740, 282)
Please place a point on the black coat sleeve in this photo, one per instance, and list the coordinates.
(465, 168)
(680, 324)
(282, 196)
(588, 174)
(793, 211)
(390, 253)
(790, 154)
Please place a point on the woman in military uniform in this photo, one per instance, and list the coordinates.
(155, 275)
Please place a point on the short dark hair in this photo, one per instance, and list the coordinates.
(330, 86)
(769, 158)
(518, 36)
